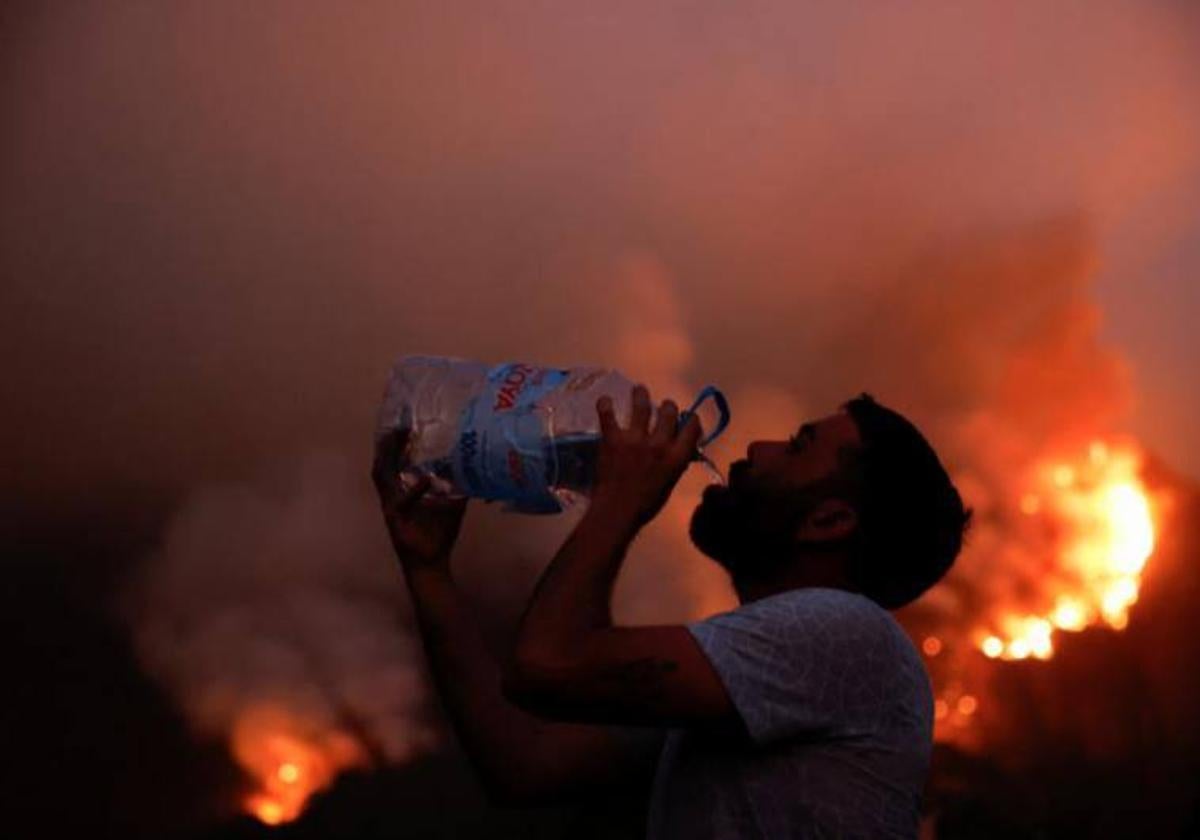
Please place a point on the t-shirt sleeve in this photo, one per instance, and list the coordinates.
(805, 662)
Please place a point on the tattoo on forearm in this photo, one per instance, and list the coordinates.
(641, 675)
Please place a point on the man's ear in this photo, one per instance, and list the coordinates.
(831, 520)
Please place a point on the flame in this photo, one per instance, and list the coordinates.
(289, 759)
(1105, 516)
(952, 710)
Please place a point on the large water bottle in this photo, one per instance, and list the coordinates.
(518, 433)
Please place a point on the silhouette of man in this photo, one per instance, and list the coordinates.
(806, 712)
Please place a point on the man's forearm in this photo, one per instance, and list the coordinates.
(503, 742)
(574, 594)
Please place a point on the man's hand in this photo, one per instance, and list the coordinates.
(423, 530)
(570, 662)
(637, 468)
(521, 758)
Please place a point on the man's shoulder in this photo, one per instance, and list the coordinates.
(813, 660)
(818, 602)
(815, 622)
(825, 623)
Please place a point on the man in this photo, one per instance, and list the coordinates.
(804, 713)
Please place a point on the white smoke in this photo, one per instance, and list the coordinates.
(280, 593)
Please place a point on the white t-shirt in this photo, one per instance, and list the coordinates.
(839, 714)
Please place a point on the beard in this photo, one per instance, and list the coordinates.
(747, 529)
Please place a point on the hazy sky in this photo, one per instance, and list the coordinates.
(221, 221)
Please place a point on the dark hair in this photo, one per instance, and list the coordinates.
(911, 519)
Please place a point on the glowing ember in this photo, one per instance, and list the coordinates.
(288, 773)
(289, 759)
(267, 810)
(1100, 506)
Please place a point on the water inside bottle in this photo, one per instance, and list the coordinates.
(573, 466)
(440, 472)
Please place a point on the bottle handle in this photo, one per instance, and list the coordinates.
(709, 392)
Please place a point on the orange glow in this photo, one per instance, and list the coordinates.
(267, 810)
(932, 646)
(967, 705)
(940, 709)
(1069, 614)
(289, 759)
(1104, 513)
(1064, 476)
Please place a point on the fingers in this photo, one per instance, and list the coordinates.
(688, 438)
(384, 467)
(666, 419)
(608, 421)
(639, 418)
(389, 450)
(665, 422)
(408, 498)
(386, 452)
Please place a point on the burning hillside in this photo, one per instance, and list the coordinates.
(1101, 739)
(289, 759)
(1100, 520)
(1091, 521)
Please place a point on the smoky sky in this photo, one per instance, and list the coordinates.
(222, 222)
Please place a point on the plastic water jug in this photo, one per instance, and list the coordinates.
(520, 433)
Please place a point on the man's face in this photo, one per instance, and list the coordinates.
(753, 519)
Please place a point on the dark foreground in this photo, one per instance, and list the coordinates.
(1104, 741)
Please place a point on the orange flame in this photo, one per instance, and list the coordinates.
(1106, 518)
(289, 759)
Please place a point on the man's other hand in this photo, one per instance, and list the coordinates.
(423, 529)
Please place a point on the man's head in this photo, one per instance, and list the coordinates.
(859, 494)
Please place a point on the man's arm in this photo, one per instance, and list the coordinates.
(520, 758)
(571, 663)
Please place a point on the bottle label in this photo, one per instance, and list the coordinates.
(502, 450)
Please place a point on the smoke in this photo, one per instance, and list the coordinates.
(1019, 375)
(279, 595)
(223, 224)
(273, 611)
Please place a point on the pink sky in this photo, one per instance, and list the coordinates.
(221, 222)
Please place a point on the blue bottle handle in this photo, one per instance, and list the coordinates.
(722, 412)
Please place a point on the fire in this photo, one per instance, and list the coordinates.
(267, 810)
(952, 710)
(289, 773)
(1104, 516)
(289, 759)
